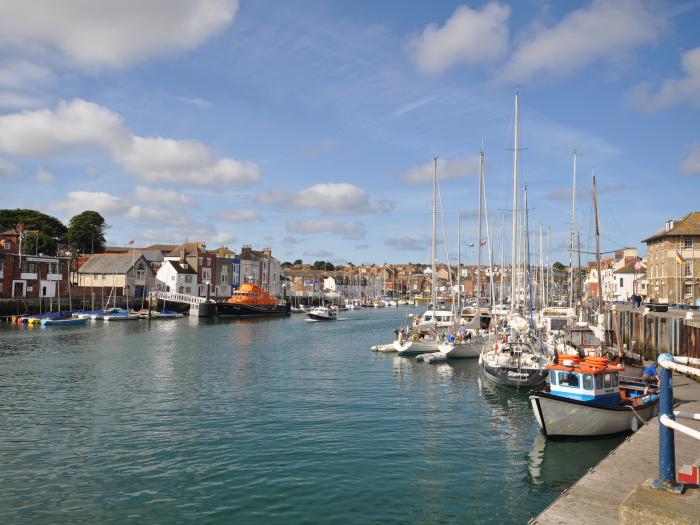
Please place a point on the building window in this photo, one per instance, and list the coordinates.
(689, 269)
(28, 267)
(140, 275)
(688, 290)
(8, 246)
(199, 259)
(188, 279)
(688, 243)
(188, 289)
(224, 278)
(205, 274)
(621, 281)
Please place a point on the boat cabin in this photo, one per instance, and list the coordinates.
(583, 339)
(587, 383)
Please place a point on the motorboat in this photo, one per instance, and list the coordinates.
(589, 398)
(162, 314)
(322, 313)
(385, 348)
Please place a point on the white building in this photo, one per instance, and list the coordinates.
(174, 276)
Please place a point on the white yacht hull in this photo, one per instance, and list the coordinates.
(416, 347)
(461, 350)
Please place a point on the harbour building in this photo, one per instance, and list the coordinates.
(673, 262)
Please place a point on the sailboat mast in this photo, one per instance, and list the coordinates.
(514, 247)
(433, 247)
(503, 257)
(541, 280)
(597, 246)
(478, 250)
(549, 268)
(573, 229)
(459, 262)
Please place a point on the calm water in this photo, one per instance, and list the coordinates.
(267, 422)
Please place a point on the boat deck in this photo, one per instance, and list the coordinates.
(597, 496)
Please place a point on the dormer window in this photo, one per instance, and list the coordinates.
(185, 266)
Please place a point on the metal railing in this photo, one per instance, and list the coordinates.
(180, 297)
(667, 419)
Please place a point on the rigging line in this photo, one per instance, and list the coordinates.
(444, 234)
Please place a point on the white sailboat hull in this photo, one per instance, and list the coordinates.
(461, 350)
(416, 347)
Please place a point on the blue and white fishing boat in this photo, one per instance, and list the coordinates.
(590, 399)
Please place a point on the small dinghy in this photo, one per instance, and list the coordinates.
(433, 357)
(384, 348)
(122, 316)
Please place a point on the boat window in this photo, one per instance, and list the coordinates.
(588, 382)
(614, 380)
(598, 382)
(608, 380)
(589, 339)
(552, 377)
(568, 379)
(558, 324)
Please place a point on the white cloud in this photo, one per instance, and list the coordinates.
(99, 201)
(468, 37)
(673, 91)
(337, 198)
(182, 162)
(346, 230)
(691, 164)
(115, 34)
(20, 73)
(161, 197)
(6, 169)
(604, 30)
(446, 169)
(239, 215)
(45, 177)
(78, 123)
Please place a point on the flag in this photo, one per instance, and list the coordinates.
(484, 243)
(679, 257)
(131, 242)
(638, 265)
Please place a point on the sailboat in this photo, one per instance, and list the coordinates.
(468, 341)
(515, 361)
(423, 336)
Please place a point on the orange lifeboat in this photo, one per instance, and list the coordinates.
(251, 294)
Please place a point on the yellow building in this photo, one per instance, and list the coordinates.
(673, 262)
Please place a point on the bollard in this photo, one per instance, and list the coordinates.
(667, 447)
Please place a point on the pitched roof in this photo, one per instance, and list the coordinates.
(109, 263)
(191, 248)
(179, 269)
(688, 225)
(166, 248)
(629, 268)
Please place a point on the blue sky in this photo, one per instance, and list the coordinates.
(310, 126)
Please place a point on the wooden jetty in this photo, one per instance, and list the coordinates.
(597, 496)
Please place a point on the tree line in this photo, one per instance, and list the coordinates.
(46, 234)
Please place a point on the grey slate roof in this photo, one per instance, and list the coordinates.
(110, 263)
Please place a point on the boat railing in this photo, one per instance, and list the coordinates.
(667, 419)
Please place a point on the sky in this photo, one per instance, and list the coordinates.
(310, 126)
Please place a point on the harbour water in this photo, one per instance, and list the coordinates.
(264, 422)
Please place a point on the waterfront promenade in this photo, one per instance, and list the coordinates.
(597, 496)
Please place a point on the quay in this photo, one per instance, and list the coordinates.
(614, 490)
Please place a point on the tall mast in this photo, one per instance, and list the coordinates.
(459, 261)
(433, 250)
(573, 229)
(478, 250)
(526, 261)
(541, 280)
(597, 246)
(514, 247)
(549, 269)
(503, 257)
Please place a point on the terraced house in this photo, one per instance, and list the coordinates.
(673, 262)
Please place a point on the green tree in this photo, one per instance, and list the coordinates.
(323, 265)
(43, 232)
(286, 264)
(559, 266)
(86, 231)
(298, 262)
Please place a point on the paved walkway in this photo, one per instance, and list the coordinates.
(597, 496)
